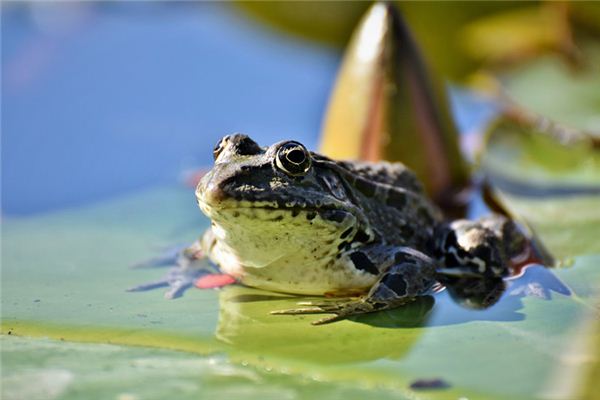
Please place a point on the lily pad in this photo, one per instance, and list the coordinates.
(65, 275)
(551, 88)
(120, 372)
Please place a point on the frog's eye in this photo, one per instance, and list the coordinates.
(293, 158)
(219, 147)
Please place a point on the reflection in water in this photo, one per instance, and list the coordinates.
(537, 281)
(475, 293)
(245, 322)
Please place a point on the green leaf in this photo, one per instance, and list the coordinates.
(118, 372)
(65, 275)
(551, 88)
(547, 175)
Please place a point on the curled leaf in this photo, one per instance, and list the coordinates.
(386, 105)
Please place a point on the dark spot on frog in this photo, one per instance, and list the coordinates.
(365, 187)
(333, 215)
(311, 215)
(396, 283)
(362, 262)
(295, 212)
(277, 218)
(406, 231)
(343, 246)
(346, 233)
(425, 384)
(236, 214)
(402, 257)
(396, 199)
(425, 215)
(361, 236)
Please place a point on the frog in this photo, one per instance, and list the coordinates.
(363, 236)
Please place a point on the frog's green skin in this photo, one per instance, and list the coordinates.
(289, 220)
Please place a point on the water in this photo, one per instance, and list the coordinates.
(101, 99)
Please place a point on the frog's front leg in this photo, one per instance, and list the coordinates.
(186, 266)
(409, 273)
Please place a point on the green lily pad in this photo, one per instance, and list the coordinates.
(65, 275)
(553, 186)
(551, 88)
(121, 372)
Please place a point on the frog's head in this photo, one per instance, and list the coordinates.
(277, 203)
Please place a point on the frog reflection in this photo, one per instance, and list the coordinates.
(245, 322)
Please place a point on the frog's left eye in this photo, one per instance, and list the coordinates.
(293, 158)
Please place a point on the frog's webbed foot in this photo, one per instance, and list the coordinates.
(186, 265)
(341, 309)
(411, 275)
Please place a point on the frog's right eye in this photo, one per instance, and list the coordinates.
(293, 158)
(219, 147)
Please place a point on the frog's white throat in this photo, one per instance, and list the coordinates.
(259, 237)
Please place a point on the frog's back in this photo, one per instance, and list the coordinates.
(393, 200)
(385, 173)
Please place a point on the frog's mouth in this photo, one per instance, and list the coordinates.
(328, 213)
(213, 196)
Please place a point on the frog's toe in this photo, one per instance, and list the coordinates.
(299, 311)
(178, 279)
(187, 265)
(342, 310)
(326, 303)
(329, 320)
